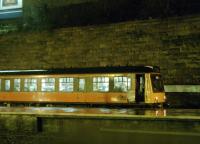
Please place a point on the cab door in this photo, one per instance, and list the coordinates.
(140, 88)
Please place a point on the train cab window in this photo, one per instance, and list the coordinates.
(81, 84)
(157, 83)
(17, 85)
(7, 85)
(122, 84)
(101, 84)
(48, 84)
(66, 84)
(30, 85)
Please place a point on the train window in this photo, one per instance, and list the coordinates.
(157, 83)
(129, 84)
(17, 84)
(101, 84)
(66, 84)
(7, 85)
(48, 84)
(122, 84)
(81, 84)
(30, 85)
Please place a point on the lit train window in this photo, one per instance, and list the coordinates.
(101, 84)
(81, 84)
(66, 84)
(7, 85)
(30, 85)
(17, 84)
(48, 84)
(122, 84)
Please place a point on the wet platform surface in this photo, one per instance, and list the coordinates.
(158, 112)
(98, 125)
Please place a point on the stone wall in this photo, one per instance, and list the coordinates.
(173, 44)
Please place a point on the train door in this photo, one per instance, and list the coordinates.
(140, 88)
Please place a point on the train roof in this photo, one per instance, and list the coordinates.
(90, 70)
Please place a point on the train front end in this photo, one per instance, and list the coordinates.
(155, 93)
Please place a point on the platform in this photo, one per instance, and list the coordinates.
(99, 125)
(106, 112)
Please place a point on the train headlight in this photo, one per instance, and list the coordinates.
(156, 99)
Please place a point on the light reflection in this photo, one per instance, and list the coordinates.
(70, 110)
(63, 110)
(14, 71)
(122, 111)
(161, 112)
(107, 111)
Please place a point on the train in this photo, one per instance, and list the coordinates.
(121, 85)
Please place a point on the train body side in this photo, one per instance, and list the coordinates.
(140, 90)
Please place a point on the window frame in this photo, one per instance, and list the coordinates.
(14, 84)
(99, 81)
(68, 81)
(161, 84)
(30, 83)
(125, 83)
(84, 84)
(48, 82)
(5, 85)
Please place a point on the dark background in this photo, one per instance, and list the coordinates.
(59, 13)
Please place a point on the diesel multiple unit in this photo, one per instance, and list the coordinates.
(100, 85)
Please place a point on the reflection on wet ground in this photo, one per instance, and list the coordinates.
(110, 111)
